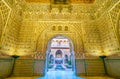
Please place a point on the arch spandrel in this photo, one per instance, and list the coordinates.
(46, 35)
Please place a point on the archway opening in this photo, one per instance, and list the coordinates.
(61, 50)
(60, 60)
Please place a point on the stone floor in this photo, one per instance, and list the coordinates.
(95, 77)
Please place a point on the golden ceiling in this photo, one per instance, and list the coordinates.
(71, 1)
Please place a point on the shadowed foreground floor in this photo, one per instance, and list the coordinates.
(85, 77)
(61, 75)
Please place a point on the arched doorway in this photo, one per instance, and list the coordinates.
(60, 54)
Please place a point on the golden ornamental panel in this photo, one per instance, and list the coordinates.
(82, 1)
(38, 1)
(62, 1)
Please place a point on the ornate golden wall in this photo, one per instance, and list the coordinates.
(0, 25)
(118, 28)
(34, 36)
(92, 40)
(27, 27)
(11, 19)
(114, 15)
(108, 37)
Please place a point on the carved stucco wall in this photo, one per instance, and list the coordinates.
(11, 20)
(30, 26)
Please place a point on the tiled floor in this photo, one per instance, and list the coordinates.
(96, 77)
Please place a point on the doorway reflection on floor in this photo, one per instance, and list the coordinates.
(60, 75)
